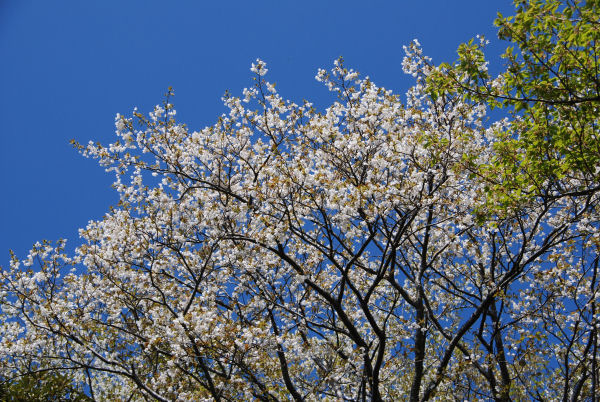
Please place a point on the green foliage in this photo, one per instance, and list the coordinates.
(41, 386)
(550, 87)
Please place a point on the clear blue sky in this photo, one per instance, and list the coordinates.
(68, 66)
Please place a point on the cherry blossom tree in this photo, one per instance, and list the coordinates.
(355, 253)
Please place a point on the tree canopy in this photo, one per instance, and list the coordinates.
(375, 250)
(41, 386)
(551, 87)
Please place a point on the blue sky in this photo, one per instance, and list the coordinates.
(68, 66)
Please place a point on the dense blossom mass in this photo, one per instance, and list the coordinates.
(377, 250)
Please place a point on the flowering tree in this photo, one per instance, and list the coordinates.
(352, 254)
